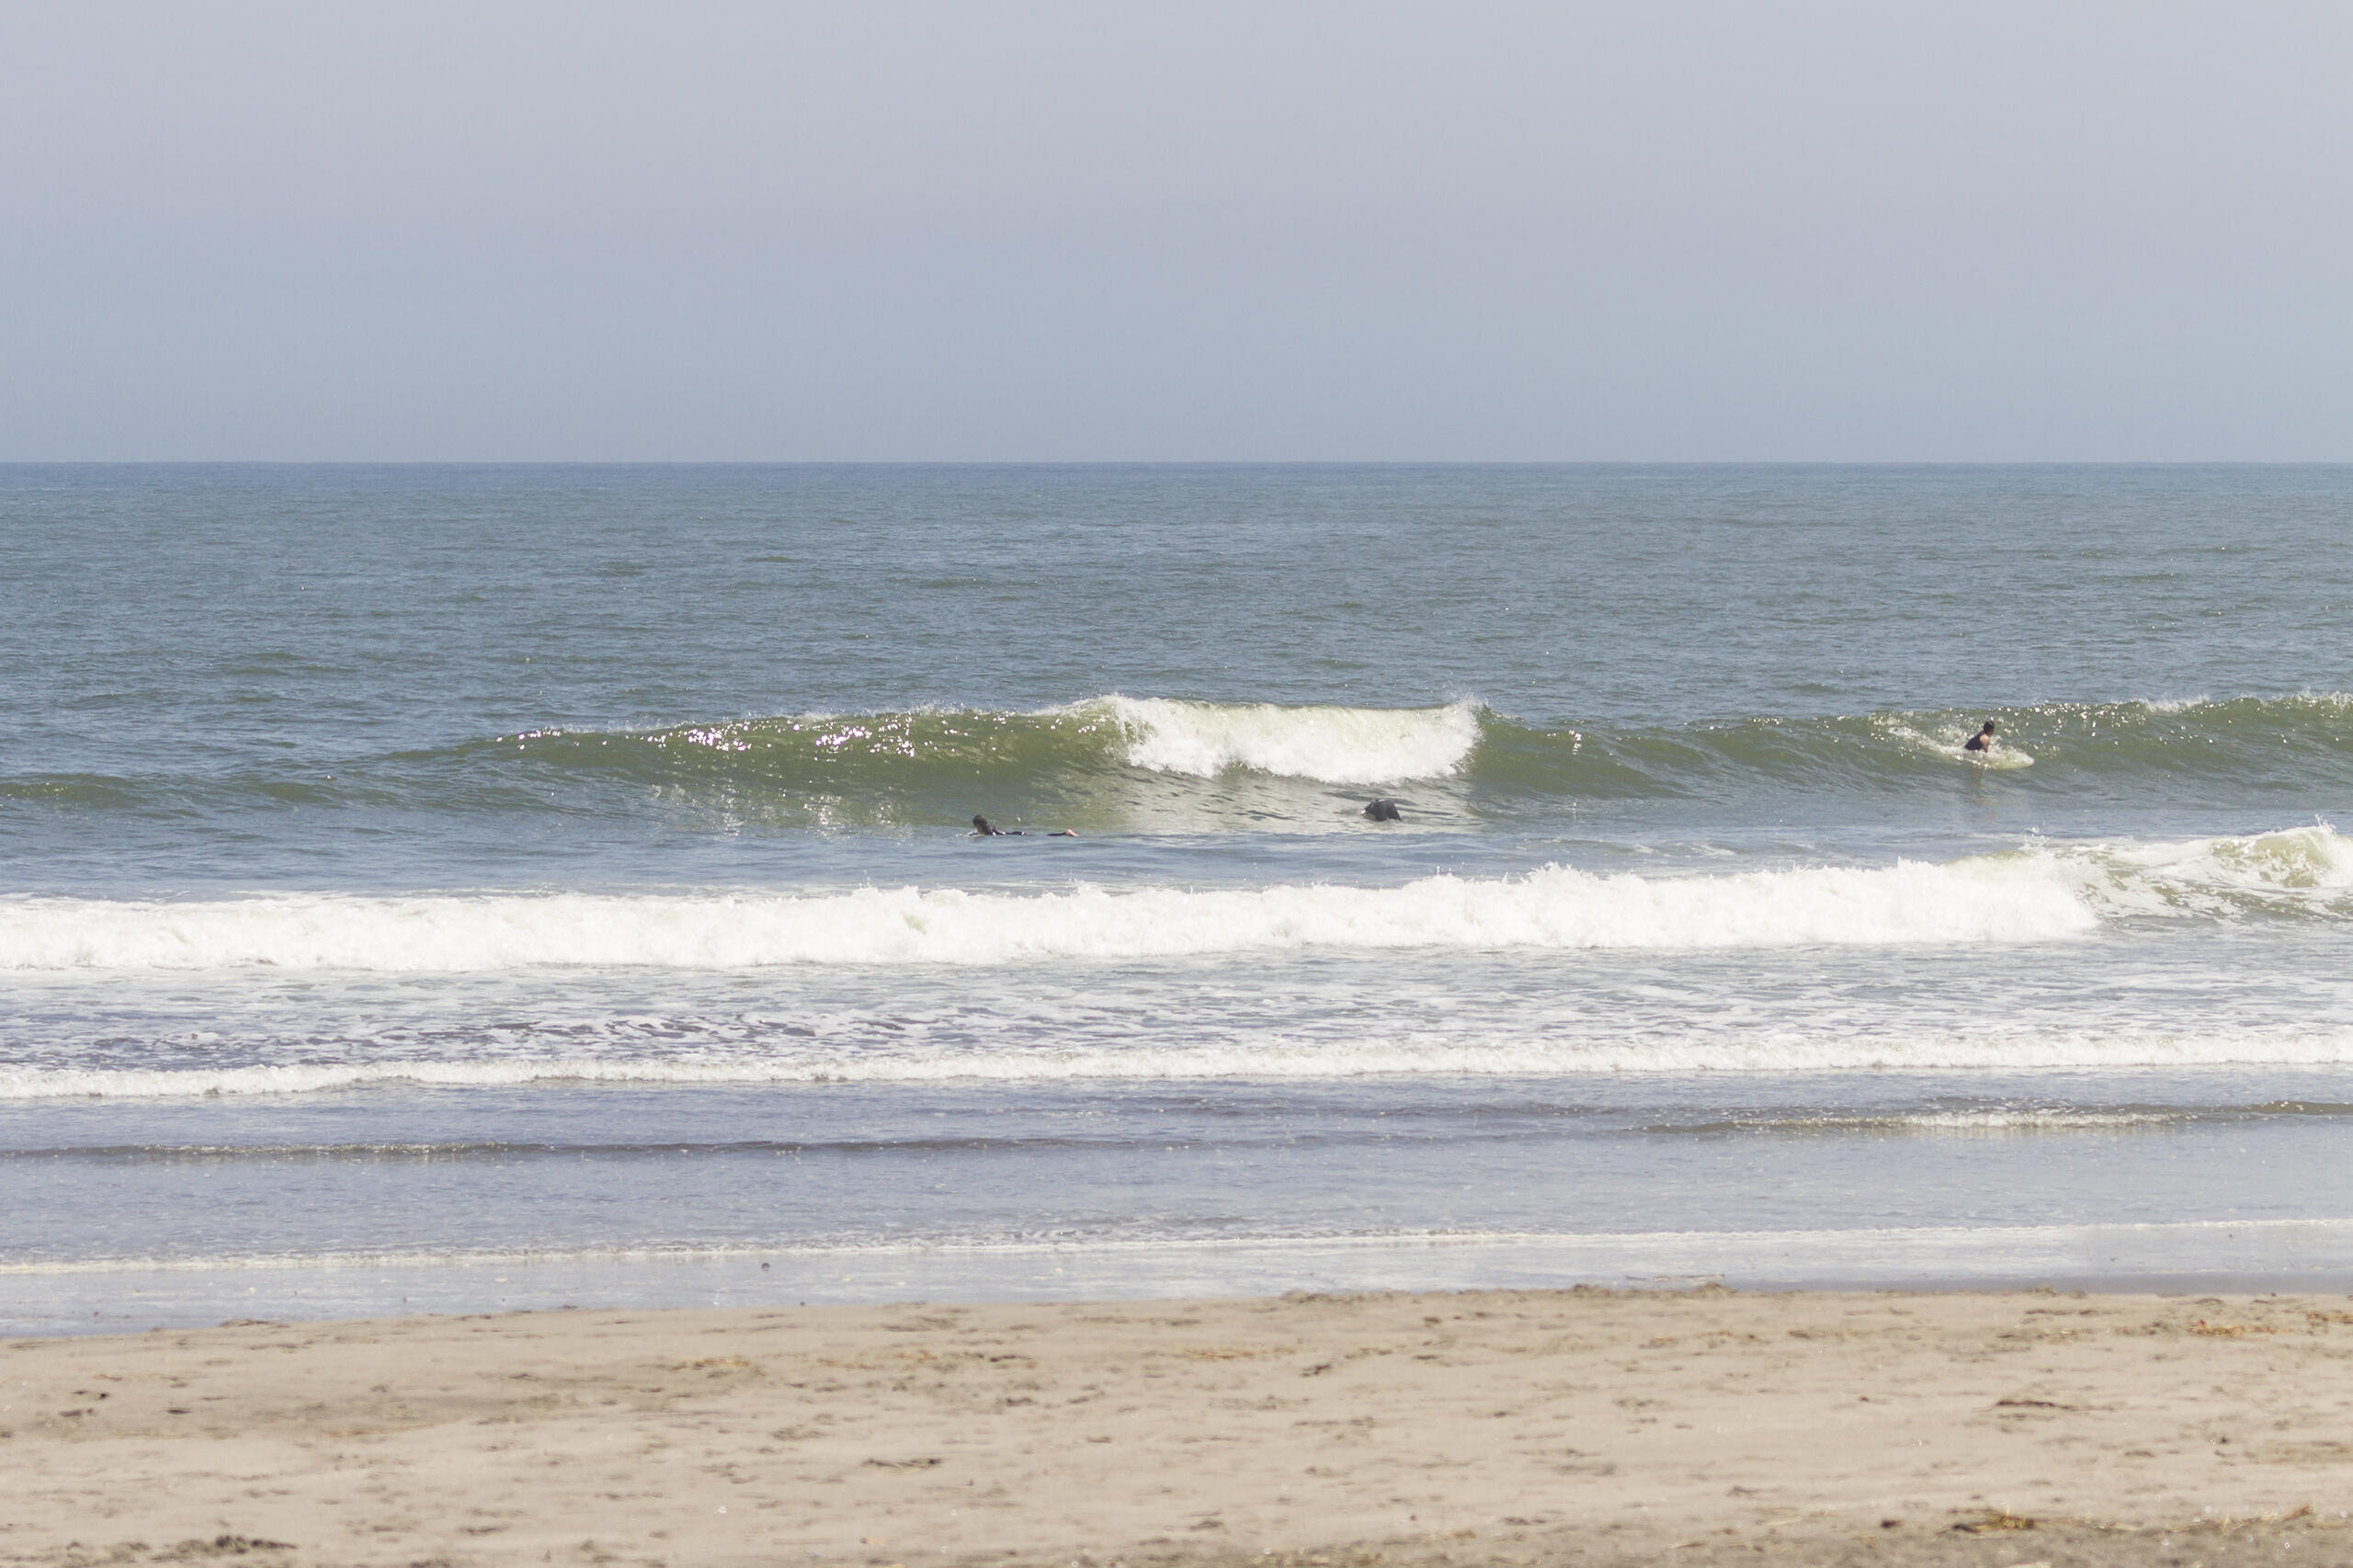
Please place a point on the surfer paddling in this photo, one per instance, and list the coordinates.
(984, 828)
(1384, 809)
(1982, 742)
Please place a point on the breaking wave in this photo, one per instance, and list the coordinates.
(1332, 746)
(2297, 871)
(1152, 735)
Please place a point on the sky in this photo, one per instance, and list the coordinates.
(2073, 230)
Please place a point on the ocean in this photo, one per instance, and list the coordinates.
(456, 889)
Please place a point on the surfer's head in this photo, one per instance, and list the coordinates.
(1988, 729)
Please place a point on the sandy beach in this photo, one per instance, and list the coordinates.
(1508, 1427)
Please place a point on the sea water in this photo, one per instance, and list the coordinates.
(450, 888)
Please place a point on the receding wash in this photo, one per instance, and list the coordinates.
(455, 887)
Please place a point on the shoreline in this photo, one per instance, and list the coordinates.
(1514, 1427)
(2243, 1257)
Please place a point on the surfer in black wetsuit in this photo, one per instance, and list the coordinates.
(982, 828)
(1982, 742)
(1384, 809)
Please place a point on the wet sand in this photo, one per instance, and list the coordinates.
(1506, 1428)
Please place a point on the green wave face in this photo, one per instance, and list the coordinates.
(2300, 743)
(67, 788)
(857, 771)
(1119, 764)
(1104, 764)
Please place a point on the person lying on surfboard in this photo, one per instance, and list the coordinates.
(982, 828)
(1982, 742)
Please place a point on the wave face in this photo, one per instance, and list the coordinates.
(1118, 763)
(2251, 739)
(2039, 895)
(909, 759)
(2302, 742)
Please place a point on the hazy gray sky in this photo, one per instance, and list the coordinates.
(1181, 231)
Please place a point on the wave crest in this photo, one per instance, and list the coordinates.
(1331, 746)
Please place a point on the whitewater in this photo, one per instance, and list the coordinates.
(2036, 893)
(566, 875)
(1554, 907)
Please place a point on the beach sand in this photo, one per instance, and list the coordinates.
(1510, 1427)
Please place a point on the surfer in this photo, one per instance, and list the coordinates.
(1982, 742)
(1384, 811)
(984, 828)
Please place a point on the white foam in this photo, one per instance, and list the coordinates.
(1556, 907)
(2042, 893)
(1951, 743)
(2172, 705)
(1999, 1122)
(2297, 868)
(1334, 746)
(1264, 1060)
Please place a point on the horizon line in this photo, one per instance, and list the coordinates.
(1176, 462)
